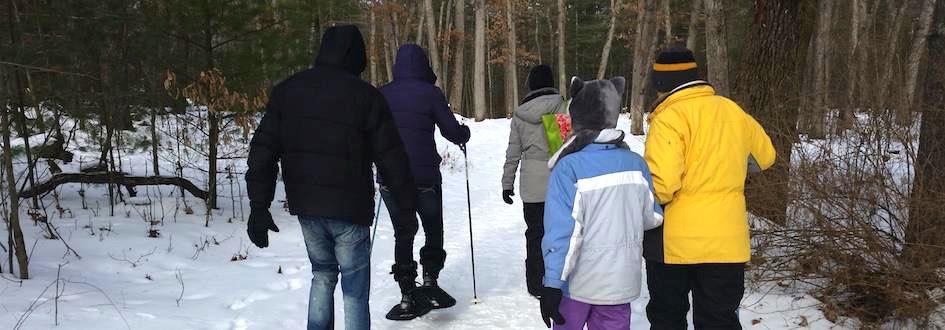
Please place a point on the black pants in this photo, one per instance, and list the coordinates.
(534, 231)
(717, 291)
(432, 255)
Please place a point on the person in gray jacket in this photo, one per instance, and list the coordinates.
(528, 151)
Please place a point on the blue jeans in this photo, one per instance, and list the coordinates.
(337, 246)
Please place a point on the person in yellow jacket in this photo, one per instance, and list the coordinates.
(700, 148)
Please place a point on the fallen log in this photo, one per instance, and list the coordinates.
(112, 178)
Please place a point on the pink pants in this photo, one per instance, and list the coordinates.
(596, 317)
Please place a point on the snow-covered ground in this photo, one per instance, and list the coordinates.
(196, 277)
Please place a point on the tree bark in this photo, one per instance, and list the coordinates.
(925, 232)
(213, 149)
(643, 51)
(605, 53)
(692, 39)
(511, 75)
(479, 70)
(431, 38)
(562, 73)
(388, 53)
(19, 247)
(423, 18)
(896, 18)
(816, 115)
(445, 51)
(716, 47)
(459, 65)
(372, 56)
(155, 144)
(916, 54)
(668, 22)
(767, 87)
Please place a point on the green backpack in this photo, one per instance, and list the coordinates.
(557, 127)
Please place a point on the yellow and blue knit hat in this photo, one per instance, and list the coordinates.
(674, 67)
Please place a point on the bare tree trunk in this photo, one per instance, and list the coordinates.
(373, 55)
(19, 247)
(538, 49)
(925, 232)
(668, 22)
(479, 70)
(511, 76)
(897, 16)
(916, 53)
(858, 9)
(817, 114)
(431, 38)
(643, 52)
(767, 86)
(562, 73)
(716, 46)
(459, 65)
(155, 144)
(605, 53)
(445, 56)
(388, 54)
(420, 22)
(692, 39)
(213, 142)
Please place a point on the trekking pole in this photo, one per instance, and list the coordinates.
(377, 215)
(472, 254)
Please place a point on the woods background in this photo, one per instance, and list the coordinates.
(852, 212)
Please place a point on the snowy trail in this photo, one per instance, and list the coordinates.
(126, 280)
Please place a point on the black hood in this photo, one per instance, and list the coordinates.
(343, 46)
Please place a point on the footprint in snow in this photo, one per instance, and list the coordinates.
(146, 316)
(240, 304)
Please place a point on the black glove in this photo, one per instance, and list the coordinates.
(507, 196)
(550, 300)
(260, 223)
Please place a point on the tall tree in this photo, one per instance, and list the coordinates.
(693, 37)
(767, 87)
(856, 62)
(608, 44)
(716, 46)
(459, 65)
(511, 79)
(562, 73)
(925, 232)
(372, 56)
(890, 53)
(432, 36)
(815, 117)
(15, 231)
(668, 22)
(916, 53)
(479, 70)
(643, 53)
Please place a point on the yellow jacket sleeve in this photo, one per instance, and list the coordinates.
(761, 147)
(665, 155)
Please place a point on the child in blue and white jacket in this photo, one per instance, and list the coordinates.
(599, 203)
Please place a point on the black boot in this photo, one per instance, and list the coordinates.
(412, 305)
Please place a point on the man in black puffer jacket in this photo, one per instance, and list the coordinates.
(327, 126)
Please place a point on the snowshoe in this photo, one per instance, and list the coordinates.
(413, 305)
(437, 297)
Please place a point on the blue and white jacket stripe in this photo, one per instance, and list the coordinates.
(599, 203)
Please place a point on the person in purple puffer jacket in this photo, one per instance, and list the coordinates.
(418, 105)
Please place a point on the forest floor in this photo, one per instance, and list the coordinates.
(197, 277)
